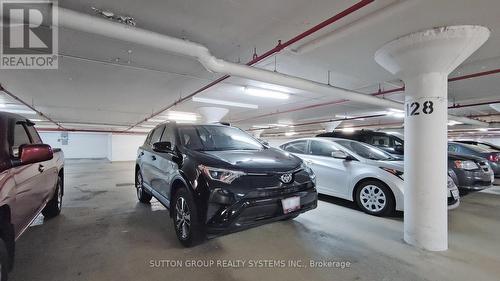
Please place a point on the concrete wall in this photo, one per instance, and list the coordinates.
(80, 145)
(124, 147)
(114, 147)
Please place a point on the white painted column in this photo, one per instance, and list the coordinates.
(424, 60)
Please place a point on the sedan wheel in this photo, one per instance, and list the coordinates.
(375, 198)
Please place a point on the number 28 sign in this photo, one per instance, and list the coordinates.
(416, 107)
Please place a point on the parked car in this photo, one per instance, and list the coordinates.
(357, 172)
(389, 143)
(31, 181)
(469, 172)
(492, 156)
(217, 178)
(482, 144)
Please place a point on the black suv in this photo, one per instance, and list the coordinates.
(217, 178)
(385, 141)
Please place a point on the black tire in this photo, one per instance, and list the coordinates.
(375, 198)
(4, 261)
(142, 194)
(54, 206)
(188, 228)
(291, 217)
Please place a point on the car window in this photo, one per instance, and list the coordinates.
(35, 137)
(365, 151)
(397, 142)
(296, 147)
(216, 138)
(322, 148)
(383, 141)
(155, 137)
(20, 138)
(169, 135)
(452, 148)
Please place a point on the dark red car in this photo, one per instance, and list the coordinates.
(31, 181)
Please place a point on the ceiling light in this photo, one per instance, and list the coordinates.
(2, 105)
(260, 126)
(263, 93)
(147, 126)
(181, 116)
(395, 110)
(397, 114)
(288, 134)
(483, 129)
(348, 130)
(453, 123)
(279, 125)
(156, 120)
(37, 120)
(348, 117)
(223, 102)
(20, 111)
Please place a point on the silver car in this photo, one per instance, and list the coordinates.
(357, 172)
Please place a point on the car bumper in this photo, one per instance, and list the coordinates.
(250, 212)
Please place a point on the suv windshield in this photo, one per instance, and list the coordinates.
(365, 151)
(215, 137)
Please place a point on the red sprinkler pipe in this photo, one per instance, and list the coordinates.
(379, 93)
(257, 59)
(29, 106)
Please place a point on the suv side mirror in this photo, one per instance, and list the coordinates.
(163, 147)
(399, 148)
(34, 153)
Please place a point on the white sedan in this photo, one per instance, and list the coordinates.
(357, 172)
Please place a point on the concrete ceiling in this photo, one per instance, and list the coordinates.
(100, 82)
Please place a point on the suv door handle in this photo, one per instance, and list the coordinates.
(41, 168)
(153, 157)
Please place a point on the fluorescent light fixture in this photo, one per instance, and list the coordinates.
(263, 93)
(348, 130)
(260, 126)
(223, 102)
(483, 129)
(20, 111)
(348, 117)
(155, 120)
(37, 120)
(396, 110)
(397, 114)
(181, 116)
(279, 125)
(289, 134)
(2, 105)
(453, 123)
(147, 126)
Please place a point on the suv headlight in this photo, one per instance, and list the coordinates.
(395, 172)
(466, 165)
(222, 175)
(308, 170)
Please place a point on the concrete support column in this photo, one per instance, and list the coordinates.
(424, 60)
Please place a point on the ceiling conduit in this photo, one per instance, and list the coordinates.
(94, 25)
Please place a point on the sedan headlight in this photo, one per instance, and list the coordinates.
(395, 172)
(466, 165)
(222, 175)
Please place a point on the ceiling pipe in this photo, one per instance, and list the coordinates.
(29, 106)
(378, 93)
(90, 24)
(89, 131)
(366, 21)
(267, 54)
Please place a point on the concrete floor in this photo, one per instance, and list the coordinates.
(103, 233)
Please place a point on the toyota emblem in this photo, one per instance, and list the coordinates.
(286, 178)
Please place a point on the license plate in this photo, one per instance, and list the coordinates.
(290, 204)
(455, 194)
